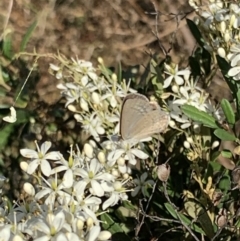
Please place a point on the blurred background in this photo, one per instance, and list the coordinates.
(129, 32)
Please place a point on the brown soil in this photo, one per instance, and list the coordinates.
(119, 30)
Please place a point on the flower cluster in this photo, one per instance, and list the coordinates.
(220, 21)
(94, 99)
(186, 91)
(65, 206)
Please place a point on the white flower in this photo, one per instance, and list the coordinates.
(89, 205)
(92, 124)
(215, 111)
(71, 91)
(86, 69)
(40, 157)
(69, 166)
(234, 55)
(23, 211)
(118, 192)
(177, 114)
(5, 232)
(174, 75)
(51, 226)
(93, 233)
(235, 73)
(114, 94)
(141, 184)
(216, 12)
(94, 176)
(55, 190)
(191, 97)
(127, 152)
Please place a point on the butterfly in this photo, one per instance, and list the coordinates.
(140, 118)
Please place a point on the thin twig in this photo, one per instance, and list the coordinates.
(175, 208)
(144, 213)
(25, 82)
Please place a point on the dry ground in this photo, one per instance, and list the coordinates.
(119, 30)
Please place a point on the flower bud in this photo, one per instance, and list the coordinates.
(29, 189)
(89, 222)
(72, 108)
(114, 77)
(84, 104)
(175, 89)
(17, 238)
(237, 150)
(100, 60)
(115, 173)
(227, 36)
(232, 22)
(104, 235)
(101, 157)
(223, 26)
(221, 218)
(54, 67)
(24, 166)
(196, 128)
(221, 52)
(117, 185)
(95, 98)
(121, 161)
(165, 95)
(163, 172)
(186, 144)
(190, 140)
(125, 176)
(88, 150)
(172, 123)
(59, 75)
(80, 224)
(215, 144)
(93, 143)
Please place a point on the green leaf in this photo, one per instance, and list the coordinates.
(27, 36)
(200, 116)
(110, 224)
(224, 135)
(120, 71)
(7, 46)
(225, 183)
(226, 154)
(184, 219)
(195, 32)
(225, 66)
(206, 56)
(228, 111)
(195, 66)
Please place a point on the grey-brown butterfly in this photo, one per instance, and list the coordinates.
(140, 118)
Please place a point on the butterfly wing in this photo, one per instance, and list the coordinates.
(129, 113)
(140, 118)
(151, 123)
